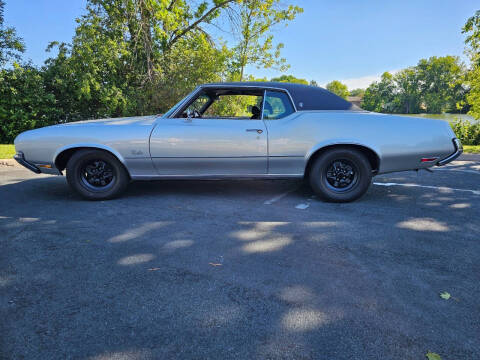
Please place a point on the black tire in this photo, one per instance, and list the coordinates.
(341, 175)
(96, 175)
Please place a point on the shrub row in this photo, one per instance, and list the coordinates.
(467, 132)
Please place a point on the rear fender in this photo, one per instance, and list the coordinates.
(337, 142)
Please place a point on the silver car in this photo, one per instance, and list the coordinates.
(241, 130)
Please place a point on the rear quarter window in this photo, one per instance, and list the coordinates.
(277, 105)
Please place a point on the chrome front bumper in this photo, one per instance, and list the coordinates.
(39, 168)
(456, 154)
(21, 160)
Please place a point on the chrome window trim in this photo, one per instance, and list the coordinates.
(258, 87)
(186, 101)
(264, 88)
(263, 104)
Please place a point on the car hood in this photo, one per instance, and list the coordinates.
(134, 120)
(70, 128)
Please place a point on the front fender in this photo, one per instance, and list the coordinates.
(89, 145)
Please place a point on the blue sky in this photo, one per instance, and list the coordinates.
(349, 40)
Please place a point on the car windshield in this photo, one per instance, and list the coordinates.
(175, 107)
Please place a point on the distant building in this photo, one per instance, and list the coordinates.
(355, 100)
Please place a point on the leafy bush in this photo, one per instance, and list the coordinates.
(467, 132)
(24, 102)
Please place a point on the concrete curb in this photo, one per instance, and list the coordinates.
(8, 162)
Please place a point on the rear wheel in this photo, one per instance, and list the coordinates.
(96, 175)
(341, 175)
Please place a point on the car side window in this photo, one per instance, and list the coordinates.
(277, 105)
(229, 106)
(235, 107)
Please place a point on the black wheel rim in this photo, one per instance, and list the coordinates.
(97, 175)
(341, 175)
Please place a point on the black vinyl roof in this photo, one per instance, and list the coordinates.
(305, 97)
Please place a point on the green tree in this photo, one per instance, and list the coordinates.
(133, 57)
(60, 79)
(440, 83)
(11, 45)
(290, 79)
(338, 88)
(472, 31)
(406, 94)
(136, 56)
(357, 92)
(379, 95)
(434, 85)
(255, 41)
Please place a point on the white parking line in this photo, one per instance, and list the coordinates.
(302, 206)
(476, 192)
(460, 170)
(279, 197)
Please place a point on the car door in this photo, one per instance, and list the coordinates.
(209, 146)
(286, 136)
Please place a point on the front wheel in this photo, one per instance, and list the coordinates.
(96, 175)
(341, 175)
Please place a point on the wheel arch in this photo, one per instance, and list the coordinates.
(369, 153)
(65, 153)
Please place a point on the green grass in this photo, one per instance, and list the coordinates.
(471, 149)
(7, 151)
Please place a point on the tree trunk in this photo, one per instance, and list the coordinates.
(147, 38)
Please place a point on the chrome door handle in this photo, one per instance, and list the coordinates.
(258, 131)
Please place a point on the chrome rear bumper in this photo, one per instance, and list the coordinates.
(456, 154)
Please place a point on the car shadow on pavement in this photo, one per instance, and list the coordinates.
(207, 270)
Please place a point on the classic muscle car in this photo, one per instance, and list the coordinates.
(241, 130)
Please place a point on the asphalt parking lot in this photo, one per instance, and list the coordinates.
(241, 270)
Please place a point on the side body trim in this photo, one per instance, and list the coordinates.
(217, 177)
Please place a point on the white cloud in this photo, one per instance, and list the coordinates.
(361, 82)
